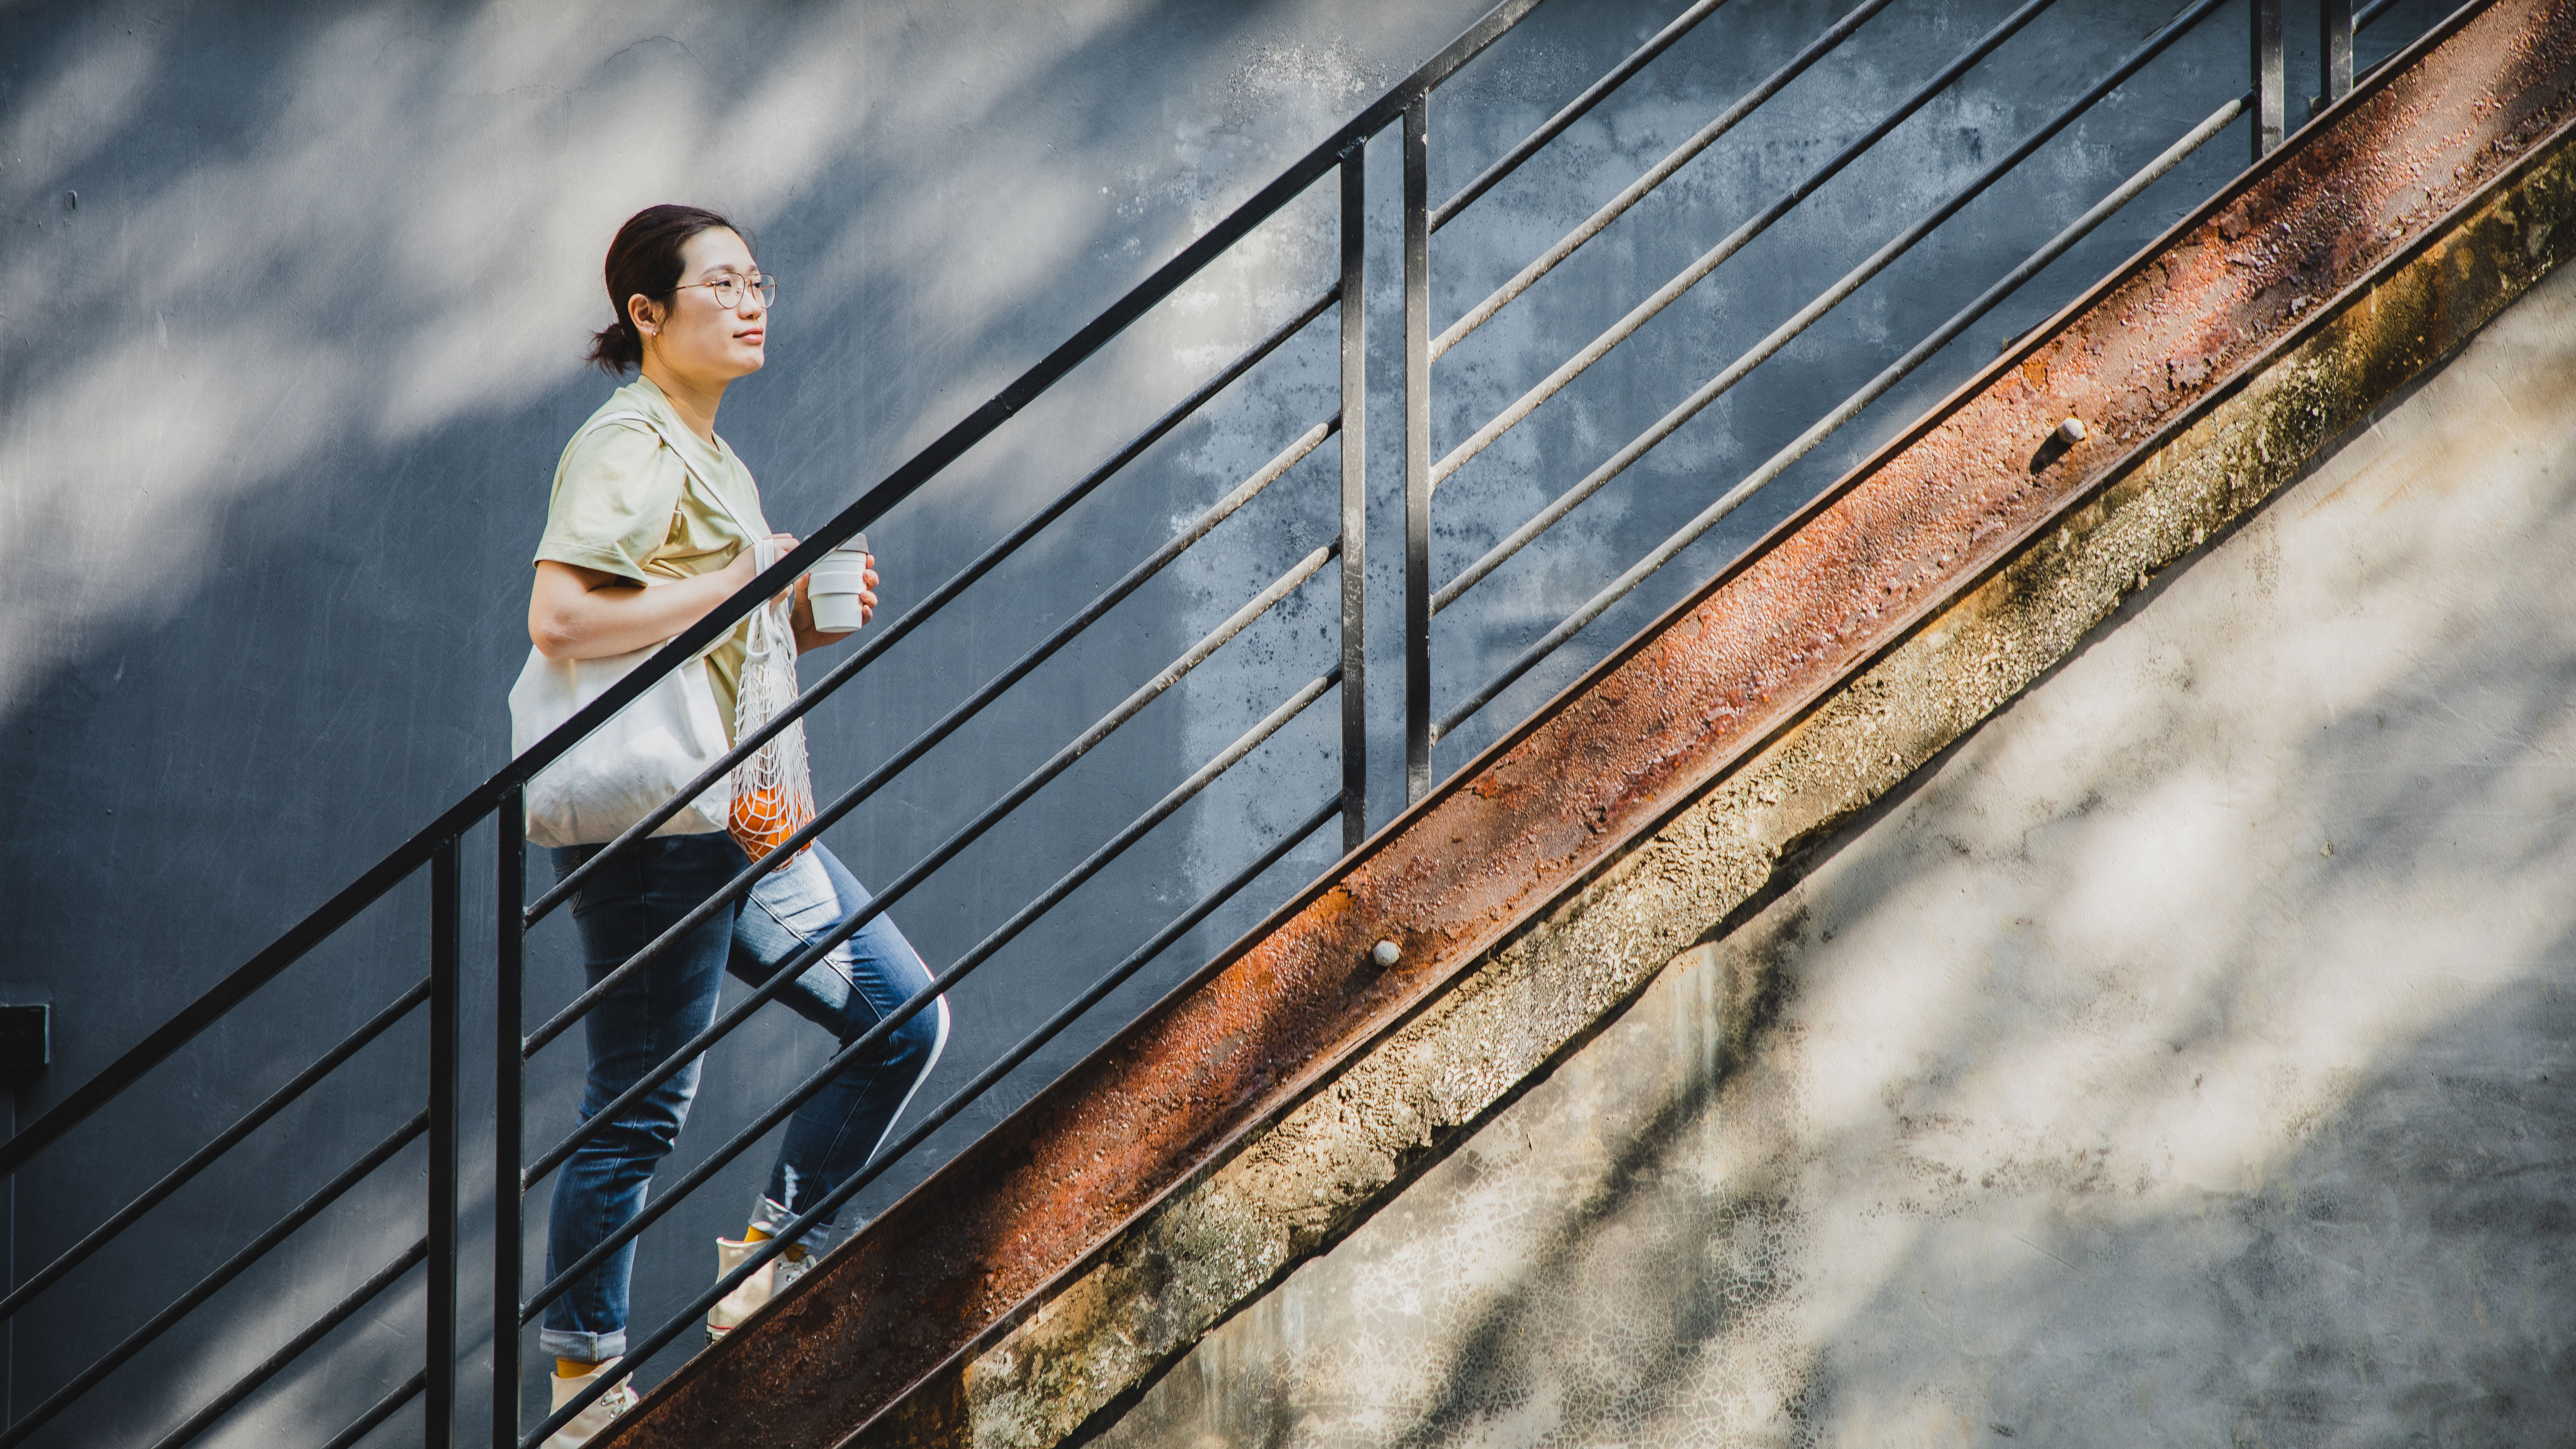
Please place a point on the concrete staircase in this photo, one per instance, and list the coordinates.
(1639, 834)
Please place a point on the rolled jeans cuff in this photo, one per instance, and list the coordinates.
(771, 1218)
(582, 1347)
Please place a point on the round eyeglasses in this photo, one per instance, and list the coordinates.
(728, 289)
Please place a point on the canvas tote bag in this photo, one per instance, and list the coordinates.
(646, 753)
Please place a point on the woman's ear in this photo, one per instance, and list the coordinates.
(645, 313)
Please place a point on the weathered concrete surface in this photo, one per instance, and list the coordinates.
(2184, 1059)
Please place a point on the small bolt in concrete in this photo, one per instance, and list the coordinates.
(2070, 432)
(1386, 954)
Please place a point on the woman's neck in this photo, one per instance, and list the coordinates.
(695, 403)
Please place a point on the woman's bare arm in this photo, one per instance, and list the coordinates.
(584, 613)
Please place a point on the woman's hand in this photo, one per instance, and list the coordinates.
(809, 638)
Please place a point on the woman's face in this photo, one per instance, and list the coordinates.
(695, 338)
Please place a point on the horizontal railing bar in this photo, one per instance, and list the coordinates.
(1072, 880)
(1573, 111)
(314, 1333)
(211, 1004)
(921, 744)
(213, 1282)
(1805, 317)
(1073, 1010)
(1179, 795)
(1852, 406)
(1009, 1061)
(223, 1142)
(956, 583)
(1655, 176)
(1055, 765)
(896, 486)
(1692, 275)
(384, 1409)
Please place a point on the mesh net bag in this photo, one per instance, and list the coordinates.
(773, 791)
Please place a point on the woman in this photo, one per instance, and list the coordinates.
(632, 503)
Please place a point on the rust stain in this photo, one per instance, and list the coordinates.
(881, 1331)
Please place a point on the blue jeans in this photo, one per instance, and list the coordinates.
(602, 1186)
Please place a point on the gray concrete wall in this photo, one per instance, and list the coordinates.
(2181, 1058)
(288, 342)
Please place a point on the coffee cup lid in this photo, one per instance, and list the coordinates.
(855, 543)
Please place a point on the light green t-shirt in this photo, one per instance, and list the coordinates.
(624, 503)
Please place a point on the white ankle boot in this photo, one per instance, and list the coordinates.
(594, 1418)
(764, 1284)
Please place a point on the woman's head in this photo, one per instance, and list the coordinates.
(666, 271)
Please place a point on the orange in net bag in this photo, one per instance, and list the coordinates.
(762, 819)
(773, 788)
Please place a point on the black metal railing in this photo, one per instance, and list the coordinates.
(438, 847)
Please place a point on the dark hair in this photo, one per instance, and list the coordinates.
(645, 260)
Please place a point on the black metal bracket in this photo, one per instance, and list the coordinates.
(26, 1039)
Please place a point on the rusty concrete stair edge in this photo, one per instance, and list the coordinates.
(993, 1234)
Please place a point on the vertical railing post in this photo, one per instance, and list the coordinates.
(445, 971)
(1417, 448)
(2334, 51)
(1354, 305)
(509, 949)
(2271, 81)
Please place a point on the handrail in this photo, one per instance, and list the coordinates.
(1806, 316)
(1735, 241)
(1573, 111)
(437, 845)
(383, 1409)
(320, 1328)
(1653, 179)
(223, 1142)
(206, 1287)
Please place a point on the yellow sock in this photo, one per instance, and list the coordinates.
(572, 1368)
(758, 1234)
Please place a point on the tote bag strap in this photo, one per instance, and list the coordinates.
(750, 534)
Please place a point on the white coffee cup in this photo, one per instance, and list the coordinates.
(837, 583)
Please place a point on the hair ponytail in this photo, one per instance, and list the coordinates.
(645, 261)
